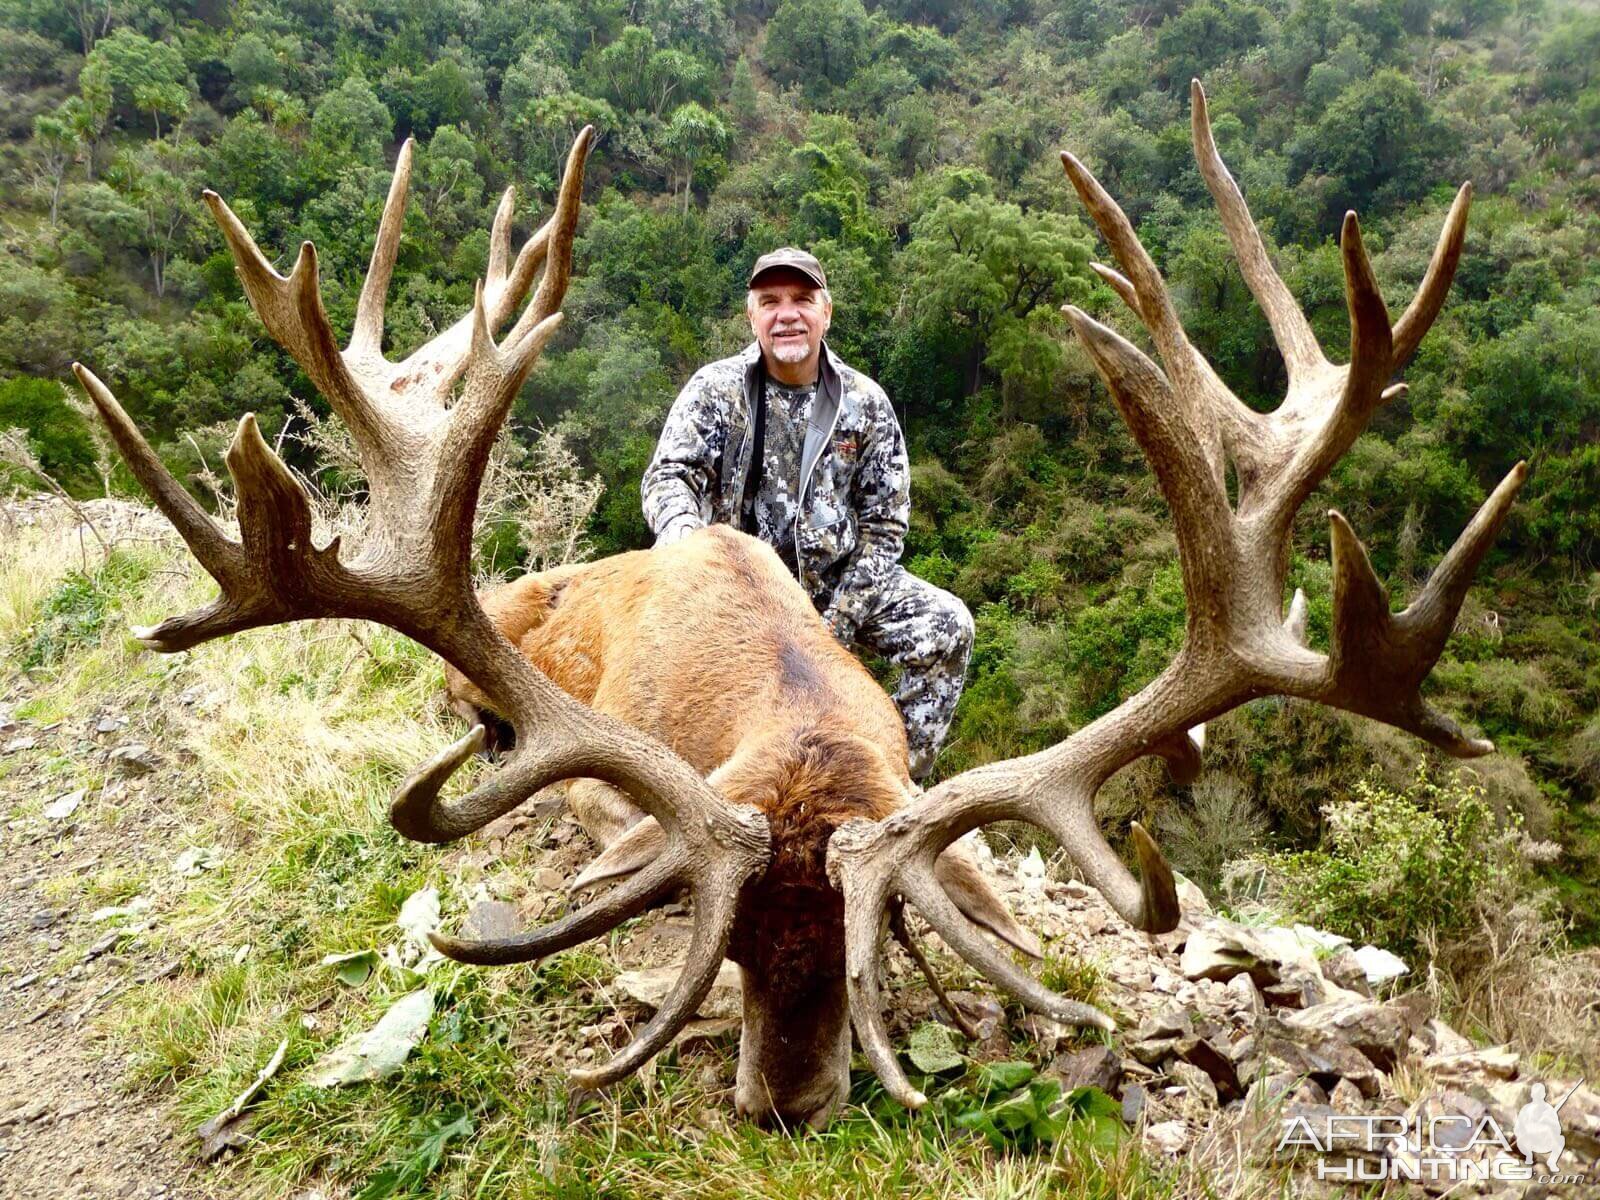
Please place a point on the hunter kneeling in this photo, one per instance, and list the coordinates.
(786, 442)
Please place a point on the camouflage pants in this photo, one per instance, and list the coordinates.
(927, 632)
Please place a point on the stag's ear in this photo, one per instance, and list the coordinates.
(965, 883)
(637, 848)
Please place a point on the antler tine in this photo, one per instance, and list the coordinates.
(1425, 305)
(366, 337)
(1154, 305)
(716, 904)
(291, 309)
(1190, 480)
(563, 229)
(1290, 329)
(1378, 659)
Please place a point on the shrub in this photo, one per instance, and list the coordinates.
(1428, 872)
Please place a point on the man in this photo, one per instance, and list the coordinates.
(788, 443)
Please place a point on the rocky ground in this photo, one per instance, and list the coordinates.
(69, 1127)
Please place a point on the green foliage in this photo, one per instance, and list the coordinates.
(1413, 871)
(75, 614)
(55, 432)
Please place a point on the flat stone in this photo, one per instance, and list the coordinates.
(1497, 1062)
(550, 879)
(19, 743)
(650, 987)
(1133, 1103)
(490, 920)
(134, 758)
(1097, 1066)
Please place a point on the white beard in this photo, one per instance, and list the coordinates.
(791, 353)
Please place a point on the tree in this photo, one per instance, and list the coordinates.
(151, 76)
(818, 44)
(157, 181)
(1377, 142)
(692, 136)
(742, 99)
(56, 144)
(979, 267)
(351, 120)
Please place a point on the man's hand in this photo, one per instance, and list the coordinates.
(841, 626)
(675, 531)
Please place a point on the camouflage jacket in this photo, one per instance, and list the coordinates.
(854, 481)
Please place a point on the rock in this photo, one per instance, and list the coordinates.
(984, 1012)
(134, 758)
(1499, 1062)
(1220, 949)
(488, 920)
(1344, 968)
(550, 879)
(108, 724)
(1192, 901)
(19, 743)
(1243, 994)
(650, 987)
(1218, 1068)
(1379, 1031)
(43, 918)
(1133, 1103)
(1270, 1090)
(1346, 1097)
(1167, 1137)
(1097, 1066)
(1380, 966)
(1441, 1039)
(1323, 1056)
(1299, 988)
(1195, 1082)
(65, 805)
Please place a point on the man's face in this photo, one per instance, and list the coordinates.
(789, 315)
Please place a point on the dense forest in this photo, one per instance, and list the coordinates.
(912, 145)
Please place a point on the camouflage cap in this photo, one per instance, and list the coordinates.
(794, 260)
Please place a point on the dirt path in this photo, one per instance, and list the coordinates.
(69, 1126)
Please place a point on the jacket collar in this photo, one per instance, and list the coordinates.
(829, 386)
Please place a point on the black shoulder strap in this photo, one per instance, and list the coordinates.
(758, 455)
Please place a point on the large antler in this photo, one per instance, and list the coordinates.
(1239, 643)
(423, 429)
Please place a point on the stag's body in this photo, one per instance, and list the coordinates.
(711, 647)
(705, 645)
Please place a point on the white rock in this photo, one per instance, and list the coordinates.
(1380, 965)
(1167, 1137)
(650, 987)
(64, 806)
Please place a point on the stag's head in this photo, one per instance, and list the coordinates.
(423, 429)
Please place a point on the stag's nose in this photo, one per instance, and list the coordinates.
(814, 1112)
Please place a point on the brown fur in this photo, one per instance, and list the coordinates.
(712, 647)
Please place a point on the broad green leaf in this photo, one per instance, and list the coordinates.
(932, 1048)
